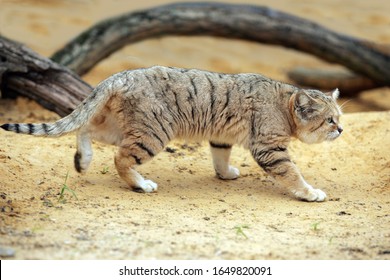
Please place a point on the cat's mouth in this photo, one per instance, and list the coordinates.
(333, 135)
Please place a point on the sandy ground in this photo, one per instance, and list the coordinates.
(194, 215)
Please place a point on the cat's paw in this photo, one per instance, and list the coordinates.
(146, 186)
(82, 161)
(316, 195)
(231, 174)
(311, 195)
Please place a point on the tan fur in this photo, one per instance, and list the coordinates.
(140, 111)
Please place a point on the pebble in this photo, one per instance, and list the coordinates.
(7, 252)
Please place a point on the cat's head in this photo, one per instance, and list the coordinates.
(316, 115)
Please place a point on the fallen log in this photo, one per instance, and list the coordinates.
(347, 82)
(24, 72)
(248, 22)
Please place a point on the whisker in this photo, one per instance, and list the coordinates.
(344, 103)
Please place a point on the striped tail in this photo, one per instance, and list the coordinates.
(71, 122)
(78, 118)
(42, 129)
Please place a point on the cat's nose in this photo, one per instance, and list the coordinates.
(339, 129)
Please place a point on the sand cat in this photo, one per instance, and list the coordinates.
(141, 110)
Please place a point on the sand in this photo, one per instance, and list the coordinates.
(48, 211)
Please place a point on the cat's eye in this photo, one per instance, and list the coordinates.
(330, 120)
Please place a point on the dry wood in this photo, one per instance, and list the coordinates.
(24, 72)
(255, 23)
(347, 82)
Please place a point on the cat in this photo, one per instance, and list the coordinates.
(141, 110)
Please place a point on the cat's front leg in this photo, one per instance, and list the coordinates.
(221, 155)
(276, 162)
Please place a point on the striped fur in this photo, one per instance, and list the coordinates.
(140, 111)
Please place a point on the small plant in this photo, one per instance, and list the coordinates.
(240, 230)
(64, 188)
(105, 170)
(315, 225)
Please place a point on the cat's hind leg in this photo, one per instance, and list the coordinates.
(83, 156)
(221, 154)
(130, 154)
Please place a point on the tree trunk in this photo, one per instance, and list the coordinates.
(24, 72)
(254, 23)
(347, 82)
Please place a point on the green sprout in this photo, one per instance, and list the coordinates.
(240, 230)
(64, 188)
(315, 225)
(105, 170)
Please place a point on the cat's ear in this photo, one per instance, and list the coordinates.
(305, 105)
(334, 94)
(302, 99)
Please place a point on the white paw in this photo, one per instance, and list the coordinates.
(311, 195)
(231, 174)
(320, 195)
(146, 186)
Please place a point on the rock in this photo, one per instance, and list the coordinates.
(7, 252)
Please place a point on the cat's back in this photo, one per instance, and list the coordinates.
(158, 76)
(194, 103)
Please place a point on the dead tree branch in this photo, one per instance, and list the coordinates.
(347, 82)
(25, 72)
(254, 23)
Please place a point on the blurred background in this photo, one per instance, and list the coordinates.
(46, 25)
